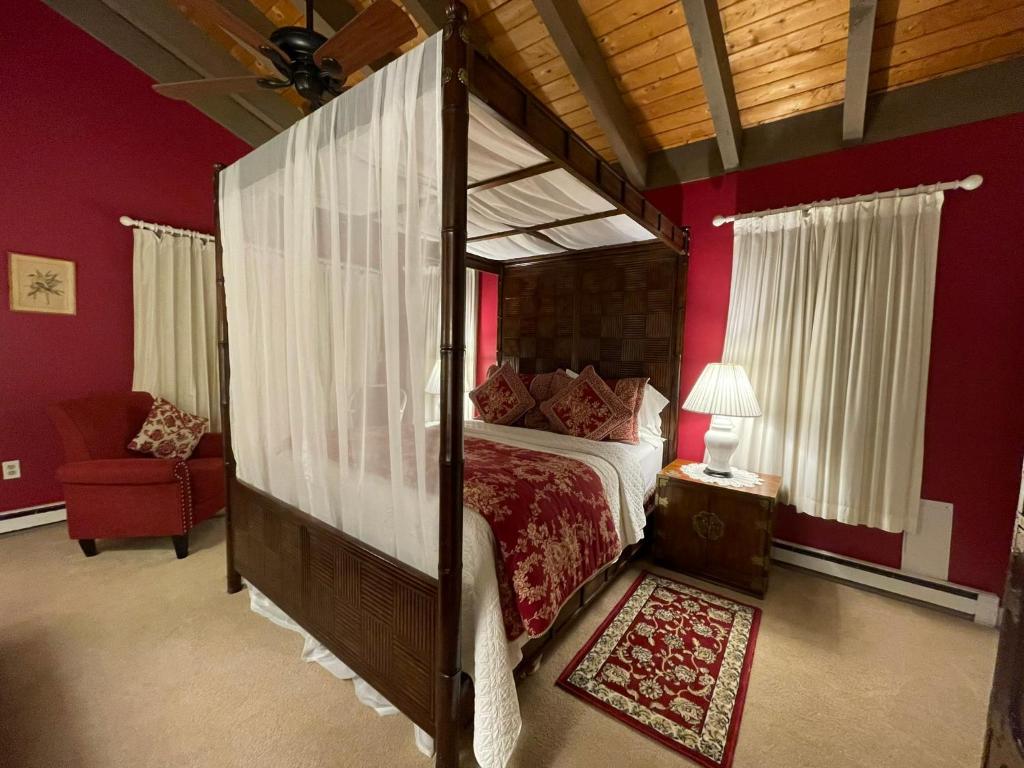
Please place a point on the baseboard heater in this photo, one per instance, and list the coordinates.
(30, 517)
(982, 607)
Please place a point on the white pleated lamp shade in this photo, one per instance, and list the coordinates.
(723, 390)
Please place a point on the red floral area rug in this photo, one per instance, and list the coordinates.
(672, 662)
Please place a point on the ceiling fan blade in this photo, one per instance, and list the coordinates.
(368, 37)
(214, 12)
(190, 89)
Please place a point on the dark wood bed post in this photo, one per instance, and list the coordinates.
(234, 579)
(678, 312)
(454, 157)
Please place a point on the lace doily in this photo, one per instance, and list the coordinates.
(741, 478)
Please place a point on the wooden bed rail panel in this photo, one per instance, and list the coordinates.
(373, 612)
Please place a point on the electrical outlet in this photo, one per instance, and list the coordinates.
(12, 470)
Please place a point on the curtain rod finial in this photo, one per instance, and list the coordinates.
(720, 220)
(126, 221)
(972, 182)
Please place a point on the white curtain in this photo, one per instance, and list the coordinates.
(175, 296)
(831, 315)
(331, 243)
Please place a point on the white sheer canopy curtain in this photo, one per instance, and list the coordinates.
(175, 300)
(331, 253)
(433, 344)
(831, 315)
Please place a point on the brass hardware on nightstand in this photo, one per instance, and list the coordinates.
(662, 500)
(716, 528)
(759, 560)
(700, 525)
(708, 525)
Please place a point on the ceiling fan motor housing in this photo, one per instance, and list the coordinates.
(310, 80)
(316, 66)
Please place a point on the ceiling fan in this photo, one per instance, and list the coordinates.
(316, 66)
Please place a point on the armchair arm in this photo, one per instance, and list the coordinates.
(210, 446)
(119, 472)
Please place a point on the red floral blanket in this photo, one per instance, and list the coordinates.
(551, 522)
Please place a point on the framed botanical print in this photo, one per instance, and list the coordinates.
(40, 284)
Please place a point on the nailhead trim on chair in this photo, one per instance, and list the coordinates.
(183, 476)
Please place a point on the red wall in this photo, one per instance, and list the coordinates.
(974, 433)
(487, 325)
(85, 140)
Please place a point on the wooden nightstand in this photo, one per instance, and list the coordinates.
(715, 532)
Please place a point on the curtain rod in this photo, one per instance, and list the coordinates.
(128, 221)
(971, 182)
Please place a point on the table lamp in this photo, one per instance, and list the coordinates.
(722, 390)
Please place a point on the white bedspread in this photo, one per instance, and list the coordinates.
(488, 657)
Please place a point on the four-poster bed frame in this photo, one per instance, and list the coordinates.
(618, 308)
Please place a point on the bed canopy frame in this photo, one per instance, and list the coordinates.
(617, 307)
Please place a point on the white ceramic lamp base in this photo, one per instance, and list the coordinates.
(721, 441)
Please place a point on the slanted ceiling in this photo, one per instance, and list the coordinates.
(652, 77)
(785, 57)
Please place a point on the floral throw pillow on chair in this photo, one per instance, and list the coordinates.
(169, 432)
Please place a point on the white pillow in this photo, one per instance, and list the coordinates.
(649, 417)
(650, 410)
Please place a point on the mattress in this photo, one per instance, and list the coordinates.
(650, 457)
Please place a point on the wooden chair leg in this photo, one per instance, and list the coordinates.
(88, 547)
(180, 545)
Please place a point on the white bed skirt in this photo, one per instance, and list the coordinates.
(313, 650)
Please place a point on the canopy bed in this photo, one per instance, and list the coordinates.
(343, 246)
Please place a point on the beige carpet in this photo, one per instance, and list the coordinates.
(133, 658)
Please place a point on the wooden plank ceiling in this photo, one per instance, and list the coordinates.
(786, 57)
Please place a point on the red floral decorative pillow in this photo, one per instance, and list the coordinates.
(543, 386)
(586, 407)
(631, 392)
(503, 398)
(168, 432)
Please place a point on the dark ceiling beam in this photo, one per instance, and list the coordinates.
(247, 12)
(705, 25)
(575, 41)
(858, 66)
(251, 119)
(163, 24)
(429, 14)
(966, 97)
(334, 13)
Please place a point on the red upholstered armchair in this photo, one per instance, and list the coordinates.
(114, 493)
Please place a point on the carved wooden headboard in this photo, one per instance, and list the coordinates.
(618, 309)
